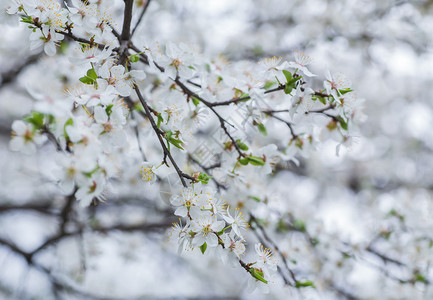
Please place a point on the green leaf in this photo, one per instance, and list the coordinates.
(293, 81)
(241, 145)
(177, 143)
(204, 178)
(171, 140)
(109, 109)
(69, 122)
(36, 119)
(87, 80)
(343, 123)
(299, 225)
(134, 58)
(282, 226)
(159, 121)
(256, 198)
(269, 84)
(244, 161)
(89, 174)
(345, 91)
(262, 128)
(255, 161)
(305, 284)
(257, 274)
(138, 107)
(51, 119)
(90, 77)
(91, 73)
(195, 101)
(243, 96)
(203, 248)
(322, 99)
(299, 143)
(288, 75)
(288, 89)
(27, 19)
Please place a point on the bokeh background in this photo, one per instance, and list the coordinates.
(381, 184)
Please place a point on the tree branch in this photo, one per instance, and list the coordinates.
(143, 11)
(127, 17)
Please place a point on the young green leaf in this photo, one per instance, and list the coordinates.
(304, 284)
(262, 128)
(255, 161)
(241, 145)
(203, 248)
(86, 80)
(134, 58)
(288, 75)
(91, 73)
(204, 178)
(195, 101)
(257, 274)
(343, 123)
(244, 161)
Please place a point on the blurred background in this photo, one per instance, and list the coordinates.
(373, 202)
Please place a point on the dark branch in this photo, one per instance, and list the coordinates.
(127, 17)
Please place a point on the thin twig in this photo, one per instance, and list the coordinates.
(143, 11)
(167, 153)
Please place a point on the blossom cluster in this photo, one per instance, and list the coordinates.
(250, 117)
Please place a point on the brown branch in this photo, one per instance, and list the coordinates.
(222, 121)
(141, 227)
(81, 40)
(40, 208)
(16, 249)
(52, 138)
(271, 113)
(143, 11)
(127, 17)
(159, 133)
(9, 76)
(236, 100)
(275, 247)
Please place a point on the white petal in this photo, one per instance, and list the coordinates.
(212, 240)
(100, 115)
(16, 144)
(138, 74)
(117, 71)
(19, 127)
(181, 211)
(50, 48)
(123, 88)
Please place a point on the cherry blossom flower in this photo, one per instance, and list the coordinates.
(25, 138)
(123, 81)
(49, 39)
(179, 234)
(206, 228)
(83, 14)
(301, 62)
(188, 202)
(237, 222)
(234, 245)
(266, 260)
(334, 84)
(176, 62)
(91, 188)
